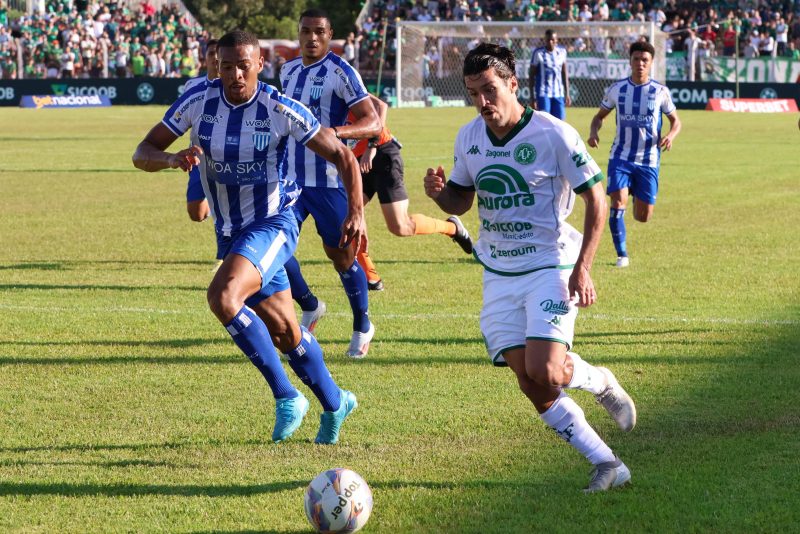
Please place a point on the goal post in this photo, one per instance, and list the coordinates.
(430, 57)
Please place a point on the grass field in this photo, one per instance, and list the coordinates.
(125, 407)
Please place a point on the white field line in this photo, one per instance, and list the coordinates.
(406, 316)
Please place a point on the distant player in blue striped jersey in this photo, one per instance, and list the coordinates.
(636, 153)
(548, 77)
(330, 87)
(240, 131)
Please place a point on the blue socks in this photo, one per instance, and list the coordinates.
(616, 223)
(307, 362)
(251, 335)
(354, 281)
(300, 290)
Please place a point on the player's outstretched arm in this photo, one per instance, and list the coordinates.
(580, 282)
(329, 147)
(150, 154)
(449, 199)
(594, 127)
(366, 125)
(674, 130)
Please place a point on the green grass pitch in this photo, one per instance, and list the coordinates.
(125, 407)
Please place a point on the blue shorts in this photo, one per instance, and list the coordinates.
(553, 105)
(194, 189)
(328, 206)
(268, 244)
(641, 181)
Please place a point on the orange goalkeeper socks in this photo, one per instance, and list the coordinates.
(425, 225)
(369, 268)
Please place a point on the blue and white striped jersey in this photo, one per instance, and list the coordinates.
(244, 164)
(548, 66)
(191, 82)
(639, 109)
(328, 87)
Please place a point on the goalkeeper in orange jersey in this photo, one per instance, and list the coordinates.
(382, 173)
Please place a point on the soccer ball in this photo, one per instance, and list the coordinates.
(338, 500)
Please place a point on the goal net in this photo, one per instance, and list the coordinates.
(430, 57)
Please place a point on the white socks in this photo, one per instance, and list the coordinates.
(586, 377)
(569, 422)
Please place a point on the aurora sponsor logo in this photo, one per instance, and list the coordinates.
(502, 187)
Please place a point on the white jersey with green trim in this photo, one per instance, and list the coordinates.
(525, 184)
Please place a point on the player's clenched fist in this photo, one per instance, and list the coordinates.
(435, 182)
(186, 159)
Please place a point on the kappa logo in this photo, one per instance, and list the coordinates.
(502, 187)
(525, 154)
(474, 150)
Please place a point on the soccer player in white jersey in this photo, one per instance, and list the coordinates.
(329, 87)
(548, 77)
(239, 133)
(526, 167)
(636, 153)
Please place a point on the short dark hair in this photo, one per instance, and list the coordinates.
(549, 33)
(486, 56)
(212, 42)
(235, 38)
(315, 13)
(643, 46)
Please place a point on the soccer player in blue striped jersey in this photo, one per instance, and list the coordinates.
(240, 131)
(330, 87)
(635, 157)
(548, 77)
(196, 203)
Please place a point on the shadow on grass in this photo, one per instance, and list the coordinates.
(229, 490)
(124, 360)
(81, 287)
(164, 343)
(138, 490)
(71, 265)
(109, 464)
(69, 171)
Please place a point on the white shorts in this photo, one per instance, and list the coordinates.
(531, 306)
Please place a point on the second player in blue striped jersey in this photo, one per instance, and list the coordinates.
(635, 157)
(330, 87)
(196, 203)
(548, 78)
(240, 129)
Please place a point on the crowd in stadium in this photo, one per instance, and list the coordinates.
(74, 42)
(767, 27)
(69, 42)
